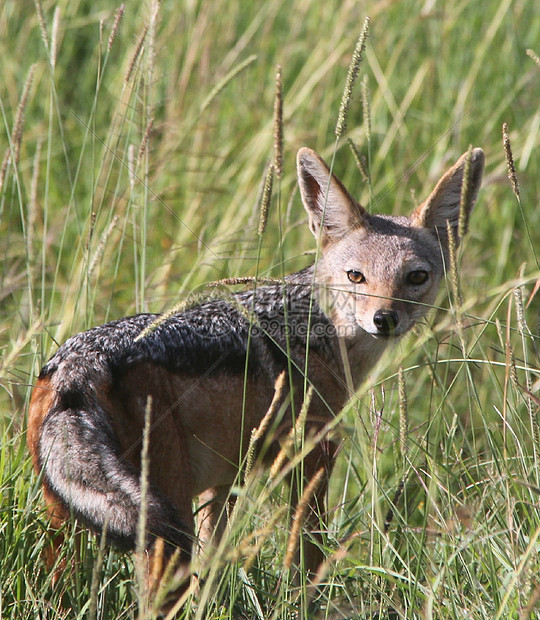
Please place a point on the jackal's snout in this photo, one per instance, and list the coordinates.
(386, 322)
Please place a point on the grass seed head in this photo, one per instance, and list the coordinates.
(531, 54)
(510, 160)
(135, 55)
(118, 14)
(299, 515)
(266, 199)
(278, 124)
(403, 415)
(352, 75)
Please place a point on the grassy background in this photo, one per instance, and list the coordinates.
(134, 178)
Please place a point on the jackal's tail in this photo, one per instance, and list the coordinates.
(82, 466)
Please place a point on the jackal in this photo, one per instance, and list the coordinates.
(211, 369)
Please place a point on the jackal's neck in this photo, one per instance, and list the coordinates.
(304, 277)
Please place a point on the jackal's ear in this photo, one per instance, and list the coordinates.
(443, 204)
(328, 203)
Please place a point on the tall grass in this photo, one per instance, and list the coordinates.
(134, 147)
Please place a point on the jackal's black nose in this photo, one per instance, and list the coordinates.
(385, 321)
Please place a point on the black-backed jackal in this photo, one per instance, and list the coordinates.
(375, 277)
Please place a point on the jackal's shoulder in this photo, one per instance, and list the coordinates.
(211, 337)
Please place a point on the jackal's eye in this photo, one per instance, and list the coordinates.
(357, 277)
(417, 277)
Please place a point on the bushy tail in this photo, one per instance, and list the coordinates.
(82, 465)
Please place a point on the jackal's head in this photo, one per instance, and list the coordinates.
(377, 273)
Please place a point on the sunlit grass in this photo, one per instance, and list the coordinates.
(134, 160)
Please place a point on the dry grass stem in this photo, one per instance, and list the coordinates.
(33, 204)
(170, 578)
(527, 612)
(299, 515)
(102, 243)
(294, 437)
(96, 573)
(189, 302)
(247, 548)
(393, 507)
(140, 555)
(533, 294)
(360, 160)
(245, 280)
(18, 125)
(163, 318)
(145, 471)
(510, 160)
(280, 458)
(223, 83)
(498, 327)
(524, 332)
(352, 75)
(298, 430)
(258, 433)
(279, 389)
(158, 558)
